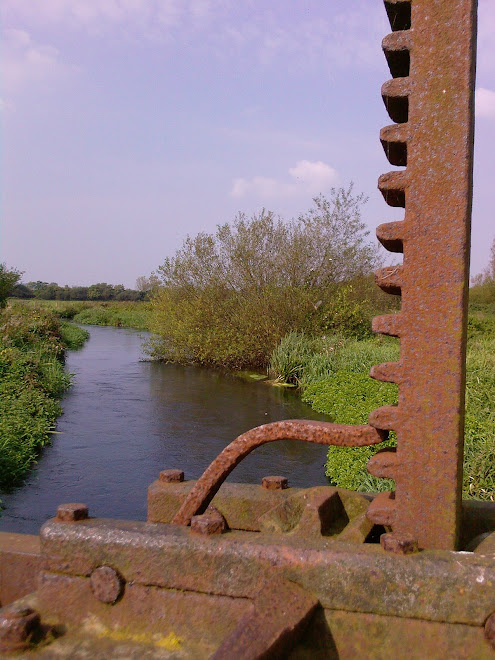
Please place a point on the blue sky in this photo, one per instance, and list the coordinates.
(128, 124)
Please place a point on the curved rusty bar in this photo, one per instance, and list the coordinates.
(322, 433)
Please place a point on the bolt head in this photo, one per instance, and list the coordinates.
(17, 623)
(490, 629)
(171, 476)
(210, 522)
(72, 512)
(274, 483)
(106, 584)
(399, 544)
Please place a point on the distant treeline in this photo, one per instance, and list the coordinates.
(100, 291)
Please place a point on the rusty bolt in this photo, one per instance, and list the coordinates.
(106, 584)
(17, 624)
(490, 629)
(274, 483)
(399, 544)
(210, 522)
(72, 512)
(171, 476)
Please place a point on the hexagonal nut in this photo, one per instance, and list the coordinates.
(274, 483)
(210, 522)
(171, 476)
(17, 624)
(107, 584)
(490, 629)
(399, 544)
(72, 512)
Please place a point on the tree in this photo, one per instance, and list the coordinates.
(9, 277)
(145, 284)
(227, 298)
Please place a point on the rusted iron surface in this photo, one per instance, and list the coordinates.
(431, 56)
(106, 584)
(20, 563)
(337, 635)
(274, 483)
(282, 612)
(17, 625)
(186, 623)
(429, 585)
(322, 433)
(240, 504)
(72, 512)
(490, 630)
(322, 510)
(209, 522)
(171, 476)
(399, 544)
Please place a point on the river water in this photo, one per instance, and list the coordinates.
(126, 419)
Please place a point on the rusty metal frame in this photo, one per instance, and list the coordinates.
(431, 98)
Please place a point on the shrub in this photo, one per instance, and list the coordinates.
(227, 299)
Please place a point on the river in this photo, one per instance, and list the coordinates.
(125, 419)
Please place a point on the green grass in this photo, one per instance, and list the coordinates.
(115, 313)
(73, 336)
(33, 344)
(333, 375)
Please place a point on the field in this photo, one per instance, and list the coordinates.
(114, 313)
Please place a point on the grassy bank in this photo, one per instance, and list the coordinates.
(332, 372)
(33, 343)
(115, 313)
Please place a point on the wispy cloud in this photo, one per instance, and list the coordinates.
(25, 62)
(265, 33)
(485, 103)
(306, 177)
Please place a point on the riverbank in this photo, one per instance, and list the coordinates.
(33, 345)
(119, 314)
(126, 419)
(332, 375)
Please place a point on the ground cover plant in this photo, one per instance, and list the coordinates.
(33, 343)
(332, 372)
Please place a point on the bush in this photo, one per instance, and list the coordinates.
(227, 299)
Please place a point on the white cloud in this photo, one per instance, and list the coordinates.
(24, 62)
(307, 177)
(485, 103)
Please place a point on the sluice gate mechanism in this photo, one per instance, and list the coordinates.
(230, 571)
